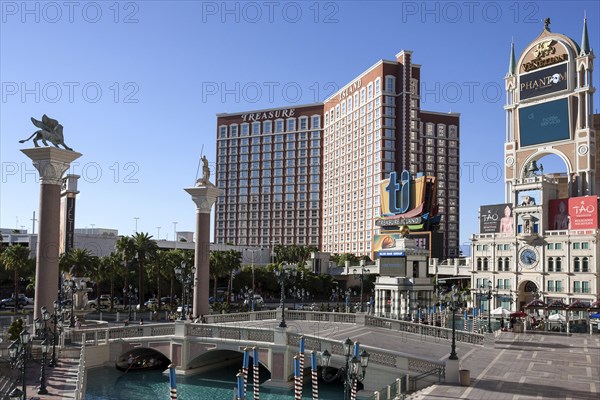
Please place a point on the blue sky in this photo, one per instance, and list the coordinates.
(137, 84)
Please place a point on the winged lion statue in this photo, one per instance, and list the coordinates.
(50, 131)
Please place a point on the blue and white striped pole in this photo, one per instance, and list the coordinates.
(297, 384)
(314, 375)
(240, 386)
(173, 382)
(245, 368)
(302, 360)
(255, 374)
(466, 317)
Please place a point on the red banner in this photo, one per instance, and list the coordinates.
(574, 213)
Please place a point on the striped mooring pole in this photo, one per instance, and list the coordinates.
(256, 374)
(314, 375)
(297, 383)
(173, 382)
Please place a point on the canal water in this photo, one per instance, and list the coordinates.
(107, 383)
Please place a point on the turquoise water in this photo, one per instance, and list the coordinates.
(107, 383)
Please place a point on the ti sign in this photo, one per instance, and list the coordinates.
(398, 194)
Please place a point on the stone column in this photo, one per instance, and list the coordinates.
(204, 195)
(51, 163)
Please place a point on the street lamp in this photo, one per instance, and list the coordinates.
(250, 296)
(489, 296)
(354, 370)
(72, 285)
(454, 304)
(17, 352)
(282, 274)
(130, 295)
(186, 279)
(45, 348)
(55, 321)
(361, 274)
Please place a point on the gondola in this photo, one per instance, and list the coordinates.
(142, 360)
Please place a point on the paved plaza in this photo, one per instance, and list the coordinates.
(516, 366)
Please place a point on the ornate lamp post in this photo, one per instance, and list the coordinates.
(130, 295)
(454, 304)
(186, 280)
(55, 320)
(362, 273)
(249, 294)
(489, 296)
(354, 370)
(282, 274)
(17, 352)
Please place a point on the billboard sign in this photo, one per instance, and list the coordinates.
(496, 218)
(545, 81)
(545, 122)
(573, 213)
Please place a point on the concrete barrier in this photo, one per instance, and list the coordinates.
(464, 377)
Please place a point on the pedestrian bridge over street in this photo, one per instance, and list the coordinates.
(396, 348)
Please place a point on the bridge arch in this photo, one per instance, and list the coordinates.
(142, 357)
(217, 358)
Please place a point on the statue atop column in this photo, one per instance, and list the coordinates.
(205, 180)
(50, 130)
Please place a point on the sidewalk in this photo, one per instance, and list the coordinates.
(60, 380)
(528, 366)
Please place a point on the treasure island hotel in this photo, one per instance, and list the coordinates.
(310, 174)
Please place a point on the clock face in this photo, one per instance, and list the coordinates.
(528, 257)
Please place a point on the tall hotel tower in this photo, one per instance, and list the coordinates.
(310, 174)
(374, 125)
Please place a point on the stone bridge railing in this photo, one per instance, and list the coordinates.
(358, 318)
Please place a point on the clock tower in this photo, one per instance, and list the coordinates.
(542, 241)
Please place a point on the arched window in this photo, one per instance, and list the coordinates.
(500, 264)
(584, 265)
(550, 264)
(507, 264)
(478, 264)
(576, 265)
(558, 265)
(485, 264)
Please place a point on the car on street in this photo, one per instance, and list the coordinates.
(188, 308)
(258, 301)
(103, 302)
(10, 302)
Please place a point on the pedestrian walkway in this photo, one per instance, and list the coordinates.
(60, 380)
(528, 366)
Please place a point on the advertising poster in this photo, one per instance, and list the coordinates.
(546, 81)
(496, 218)
(545, 122)
(573, 213)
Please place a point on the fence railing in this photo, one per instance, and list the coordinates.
(424, 330)
(393, 391)
(81, 374)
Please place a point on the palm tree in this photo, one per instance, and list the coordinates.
(145, 248)
(126, 250)
(15, 258)
(79, 262)
(157, 269)
(233, 261)
(110, 266)
(217, 269)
